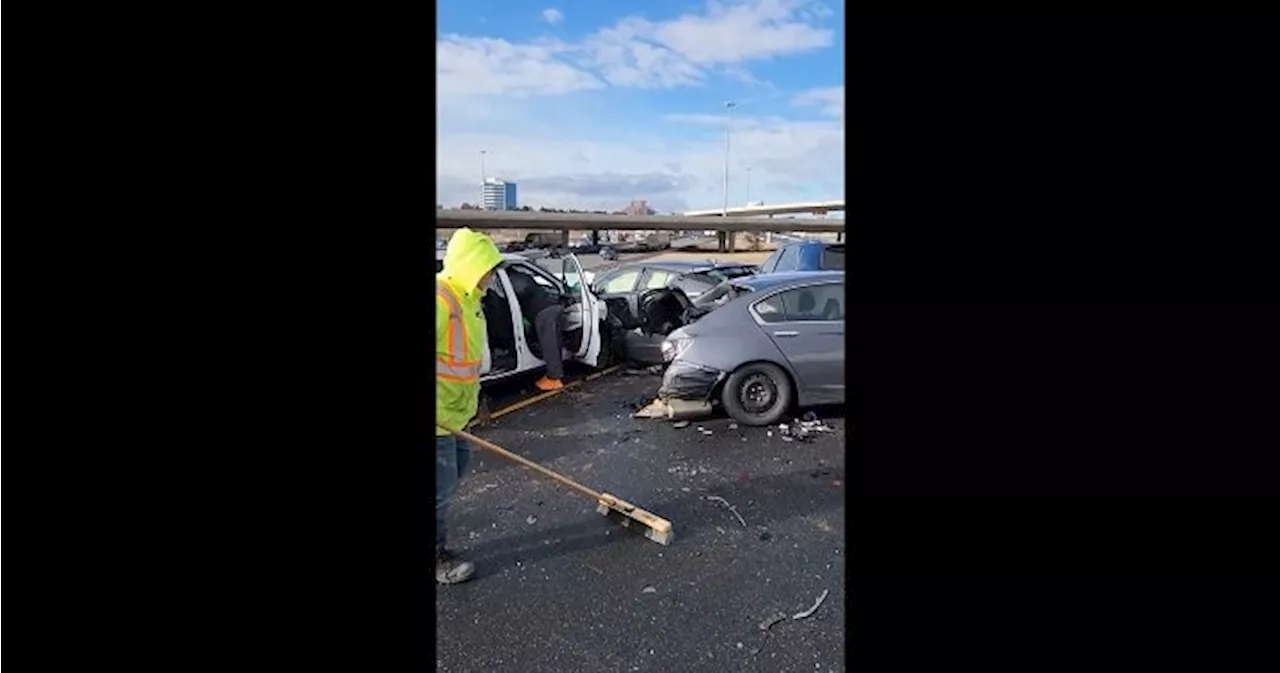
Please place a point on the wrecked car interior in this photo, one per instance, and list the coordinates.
(638, 322)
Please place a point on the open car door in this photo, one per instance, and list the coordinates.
(592, 310)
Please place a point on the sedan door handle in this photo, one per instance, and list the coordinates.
(786, 333)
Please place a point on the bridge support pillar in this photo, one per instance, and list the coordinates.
(595, 237)
(732, 236)
(564, 238)
(839, 236)
(720, 241)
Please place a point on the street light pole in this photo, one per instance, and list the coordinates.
(726, 238)
(728, 129)
(483, 176)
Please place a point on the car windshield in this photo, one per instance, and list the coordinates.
(833, 258)
(556, 267)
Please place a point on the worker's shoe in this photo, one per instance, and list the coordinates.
(545, 383)
(452, 570)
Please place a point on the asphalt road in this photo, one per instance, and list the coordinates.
(561, 588)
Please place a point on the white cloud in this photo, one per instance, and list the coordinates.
(830, 99)
(496, 95)
(752, 31)
(636, 52)
(469, 66)
(789, 160)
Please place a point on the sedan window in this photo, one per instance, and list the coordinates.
(813, 303)
(623, 282)
(833, 257)
(771, 309)
(695, 283)
(771, 263)
(656, 279)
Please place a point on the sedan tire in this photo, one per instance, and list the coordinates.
(757, 394)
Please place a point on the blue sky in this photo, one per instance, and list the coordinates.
(592, 104)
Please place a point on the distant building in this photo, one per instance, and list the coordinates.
(497, 194)
(638, 208)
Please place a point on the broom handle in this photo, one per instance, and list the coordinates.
(526, 462)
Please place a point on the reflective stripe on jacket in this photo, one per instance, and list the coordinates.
(460, 327)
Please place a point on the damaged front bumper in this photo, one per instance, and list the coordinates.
(688, 381)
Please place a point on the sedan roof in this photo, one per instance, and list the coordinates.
(764, 281)
(506, 257)
(683, 265)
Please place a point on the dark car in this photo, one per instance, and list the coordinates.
(805, 256)
(583, 245)
(693, 277)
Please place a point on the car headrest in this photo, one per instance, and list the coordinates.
(831, 309)
(807, 301)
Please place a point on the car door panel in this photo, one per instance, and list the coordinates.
(615, 295)
(815, 351)
(591, 308)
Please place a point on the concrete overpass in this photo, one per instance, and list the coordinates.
(815, 207)
(726, 236)
(564, 222)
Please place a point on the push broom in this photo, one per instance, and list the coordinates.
(656, 528)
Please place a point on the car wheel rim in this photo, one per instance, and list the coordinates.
(758, 394)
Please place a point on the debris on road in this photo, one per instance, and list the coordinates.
(771, 620)
(680, 424)
(531, 520)
(681, 409)
(733, 426)
(673, 409)
(731, 508)
(810, 611)
(648, 590)
(655, 409)
(803, 429)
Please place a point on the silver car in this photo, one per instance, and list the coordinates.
(776, 343)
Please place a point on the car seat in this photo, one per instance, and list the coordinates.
(806, 304)
(662, 310)
(831, 310)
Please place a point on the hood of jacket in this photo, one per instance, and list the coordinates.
(468, 257)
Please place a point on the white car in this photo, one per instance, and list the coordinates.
(512, 347)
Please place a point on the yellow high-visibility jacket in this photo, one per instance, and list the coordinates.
(460, 326)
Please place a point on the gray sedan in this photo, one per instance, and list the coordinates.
(777, 343)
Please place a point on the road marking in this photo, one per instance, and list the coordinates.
(550, 393)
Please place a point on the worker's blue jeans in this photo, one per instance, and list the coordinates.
(452, 455)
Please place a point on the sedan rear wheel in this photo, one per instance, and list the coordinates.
(757, 394)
